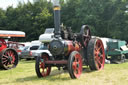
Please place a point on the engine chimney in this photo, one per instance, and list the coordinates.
(56, 9)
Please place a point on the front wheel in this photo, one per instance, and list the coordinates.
(41, 69)
(75, 65)
(95, 54)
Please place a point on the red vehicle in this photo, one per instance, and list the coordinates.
(70, 51)
(8, 50)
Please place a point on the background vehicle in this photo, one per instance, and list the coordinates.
(21, 48)
(38, 46)
(42, 49)
(117, 51)
(28, 50)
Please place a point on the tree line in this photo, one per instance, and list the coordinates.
(106, 18)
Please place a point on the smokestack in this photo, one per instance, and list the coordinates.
(57, 18)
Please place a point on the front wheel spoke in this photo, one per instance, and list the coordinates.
(47, 69)
(77, 70)
(74, 65)
(41, 65)
(43, 72)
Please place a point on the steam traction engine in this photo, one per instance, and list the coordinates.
(71, 50)
(8, 50)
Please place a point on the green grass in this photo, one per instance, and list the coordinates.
(24, 74)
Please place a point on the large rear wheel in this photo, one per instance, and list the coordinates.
(95, 54)
(8, 58)
(75, 65)
(41, 69)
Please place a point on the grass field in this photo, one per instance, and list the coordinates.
(24, 74)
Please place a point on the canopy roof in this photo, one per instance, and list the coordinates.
(8, 34)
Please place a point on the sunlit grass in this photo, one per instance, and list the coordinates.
(24, 74)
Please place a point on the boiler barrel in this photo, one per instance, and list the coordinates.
(63, 47)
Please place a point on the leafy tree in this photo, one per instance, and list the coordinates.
(3, 19)
(106, 18)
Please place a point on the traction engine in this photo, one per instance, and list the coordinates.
(71, 51)
(9, 49)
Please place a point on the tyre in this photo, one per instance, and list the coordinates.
(8, 59)
(75, 65)
(95, 54)
(41, 69)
